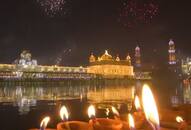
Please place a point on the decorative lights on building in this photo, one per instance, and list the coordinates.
(137, 56)
(117, 58)
(172, 52)
(110, 66)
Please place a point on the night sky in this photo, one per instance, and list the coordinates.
(86, 26)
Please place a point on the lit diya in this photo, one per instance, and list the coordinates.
(115, 113)
(183, 125)
(70, 125)
(150, 109)
(117, 117)
(43, 124)
(131, 122)
(102, 123)
(139, 116)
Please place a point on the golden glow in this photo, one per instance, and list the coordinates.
(44, 122)
(131, 121)
(179, 119)
(91, 111)
(137, 103)
(64, 113)
(149, 106)
(114, 110)
(107, 111)
(106, 52)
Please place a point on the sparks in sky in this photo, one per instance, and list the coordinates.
(133, 12)
(53, 7)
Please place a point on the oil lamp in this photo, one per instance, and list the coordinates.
(43, 124)
(131, 122)
(70, 125)
(150, 109)
(115, 113)
(137, 103)
(139, 116)
(102, 123)
(182, 124)
(117, 117)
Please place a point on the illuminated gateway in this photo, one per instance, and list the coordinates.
(108, 66)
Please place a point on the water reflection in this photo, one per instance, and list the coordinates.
(26, 97)
(187, 91)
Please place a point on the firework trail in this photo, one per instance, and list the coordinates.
(53, 7)
(134, 12)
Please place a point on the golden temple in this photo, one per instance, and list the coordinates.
(108, 66)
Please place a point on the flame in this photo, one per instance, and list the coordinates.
(91, 111)
(137, 103)
(179, 119)
(114, 110)
(44, 122)
(64, 113)
(149, 106)
(131, 121)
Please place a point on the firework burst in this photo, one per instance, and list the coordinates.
(133, 12)
(53, 7)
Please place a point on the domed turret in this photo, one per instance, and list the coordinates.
(106, 56)
(92, 58)
(137, 48)
(128, 58)
(171, 42)
(137, 56)
(117, 58)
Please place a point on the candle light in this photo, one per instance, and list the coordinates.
(102, 123)
(115, 113)
(168, 118)
(91, 113)
(70, 125)
(117, 117)
(64, 113)
(139, 116)
(183, 125)
(43, 124)
(150, 107)
(137, 103)
(131, 122)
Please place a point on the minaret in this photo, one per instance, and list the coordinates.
(172, 53)
(137, 56)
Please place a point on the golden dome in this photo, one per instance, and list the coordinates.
(106, 56)
(99, 59)
(92, 58)
(117, 58)
(128, 57)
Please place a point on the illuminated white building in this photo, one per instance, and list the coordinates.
(26, 59)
